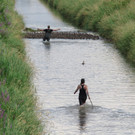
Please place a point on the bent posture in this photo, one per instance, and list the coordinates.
(82, 87)
(48, 32)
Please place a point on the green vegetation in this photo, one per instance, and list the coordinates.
(17, 102)
(112, 19)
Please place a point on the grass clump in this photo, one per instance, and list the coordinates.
(113, 19)
(17, 102)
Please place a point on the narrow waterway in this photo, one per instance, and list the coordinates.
(58, 70)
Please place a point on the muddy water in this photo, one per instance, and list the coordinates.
(58, 70)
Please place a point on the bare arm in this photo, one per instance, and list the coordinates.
(87, 92)
(78, 87)
(56, 29)
(88, 95)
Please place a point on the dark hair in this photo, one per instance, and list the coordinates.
(48, 26)
(82, 80)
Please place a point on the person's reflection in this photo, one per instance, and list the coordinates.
(82, 118)
(47, 45)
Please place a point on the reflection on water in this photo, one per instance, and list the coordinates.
(82, 118)
(83, 113)
(47, 45)
(58, 70)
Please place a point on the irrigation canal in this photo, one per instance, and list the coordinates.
(58, 70)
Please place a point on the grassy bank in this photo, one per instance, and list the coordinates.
(17, 102)
(112, 19)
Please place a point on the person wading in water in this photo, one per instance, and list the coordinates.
(82, 87)
(48, 32)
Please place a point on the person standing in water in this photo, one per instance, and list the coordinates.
(48, 32)
(82, 87)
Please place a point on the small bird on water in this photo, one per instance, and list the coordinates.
(83, 63)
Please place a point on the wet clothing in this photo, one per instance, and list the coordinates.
(82, 95)
(47, 34)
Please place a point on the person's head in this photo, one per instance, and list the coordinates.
(82, 80)
(48, 26)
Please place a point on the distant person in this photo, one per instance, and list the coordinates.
(82, 87)
(48, 32)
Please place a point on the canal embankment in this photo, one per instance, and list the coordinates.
(113, 20)
(17, 101)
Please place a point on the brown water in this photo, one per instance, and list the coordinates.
(58, 71)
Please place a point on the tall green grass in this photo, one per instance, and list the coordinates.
(112, 19)
(17, 101)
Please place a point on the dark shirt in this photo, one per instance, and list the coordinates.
(48, 32)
